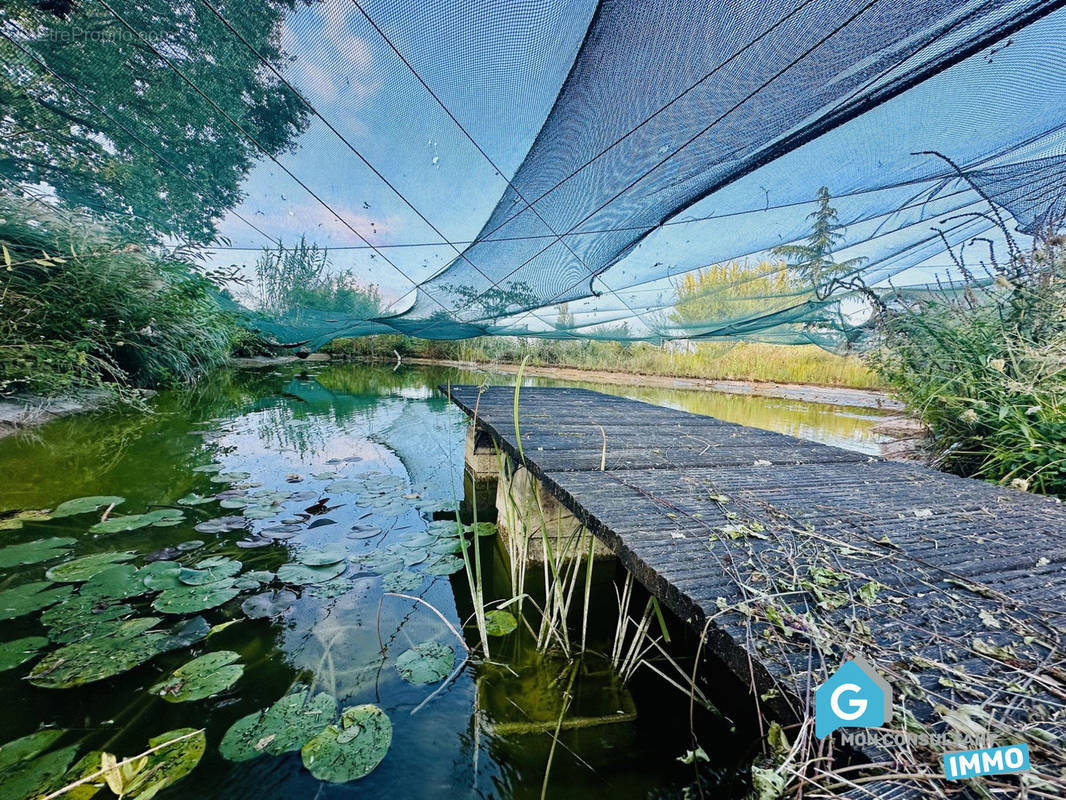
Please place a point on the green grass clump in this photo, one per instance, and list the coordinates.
(82, 307)
(985, 369)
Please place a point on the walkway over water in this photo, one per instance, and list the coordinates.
(795, 554)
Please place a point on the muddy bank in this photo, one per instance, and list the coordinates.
(830, 395)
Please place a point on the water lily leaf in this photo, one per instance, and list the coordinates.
(188, 599)
(428, 662)
(444, 565)
(481, 528)
(222, 525)
(160, 518)
(192, 544)
(168, 764)
(364, 530)
(411, 557)
(209, 468)
(449, 545)
(262, 512)
(253, 542)
(30, 597)
(27, 747)
(500, 623)
(287, 725)
(165, 517)
(36, 551)
(32, 777)
(234, 502)
(323, 557)
(280, 532)
(351, 750)
(345, 485)
(161, 575)
(100, 657)
(230, 477)
(19, 651)
(402, 581)
(209, 571)
(82, 617)
(268, 604)
(116, 582)
(81, 569)
(302, 574)
(254, 578)
(194, 499)
(83, 505)
(200, 678)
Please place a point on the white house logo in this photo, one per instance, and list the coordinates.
(855, 696)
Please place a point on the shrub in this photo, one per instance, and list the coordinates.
(84, 307)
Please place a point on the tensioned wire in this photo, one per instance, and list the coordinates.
(259, 145)
(955, 58)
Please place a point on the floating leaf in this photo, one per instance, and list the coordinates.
(268, 604)
(82, 617)
(364, 531)
(234, 502)
(167, 765)
(30, 597)
(188, 599)
(27, 747)
(301, 574)
(209, 468)
(200, 678)
(344, 485)
(98, 658)
(209, 571)
(19, 651)
(323, 557)
(194, 499)
(36, 551)
(351, 750)
(222, 525)
(444, 565)
(81, 569)
(32, 776)
(287, 725)
(117, 582)
(402, 581)
(230, 477)
(481, 528)
(161, 575)
(428, 662)
(192, 544)
(83, 505)
(500, 623)
(262, 512)
(160, 518)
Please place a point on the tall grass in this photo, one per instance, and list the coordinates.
(985, 368)
(81, 306)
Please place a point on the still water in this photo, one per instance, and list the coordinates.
(388, 455)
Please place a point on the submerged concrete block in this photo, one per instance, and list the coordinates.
(524, 508)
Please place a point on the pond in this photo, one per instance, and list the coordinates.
(270, 518)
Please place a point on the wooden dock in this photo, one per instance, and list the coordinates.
(794, 555)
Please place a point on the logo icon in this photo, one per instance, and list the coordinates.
(855, 696)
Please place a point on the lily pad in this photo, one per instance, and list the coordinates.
(262, 512)
(402, 581)
(81, 569)
(287, 725)
(500, 623)
(188, 599)
(83, 505)
(160, 518)
(29, 775)
(444, 565)
(161, 575)
(17, 520)
(167, 765)
(100, 657)
(194, 499)
(82, 617)
(192, 544)
(428, 662)
(344, 485)
(222, 525)
(30, 597)
(234, 502)
(323, 557)
(27, 747)
(19, 651)
(351, 750)
(36, 551)
(208, 468)
(301, 574)
(200, 678)
(268, 604)
(364, 530)
(481, 528)
(230, 477)
(117, 582)
(209, 571)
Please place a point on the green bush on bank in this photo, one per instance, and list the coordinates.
(81, 307)
(985, 369)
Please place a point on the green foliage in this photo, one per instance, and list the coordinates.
(985, 369)
(85, 308)
(427, 662)
(291, 279)
(813, 261)
(105, 146)
(351, 750)
(200, 678)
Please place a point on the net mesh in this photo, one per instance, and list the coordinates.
(556, 168)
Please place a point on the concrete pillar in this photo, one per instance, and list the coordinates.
(481, 460)
(524, 508)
